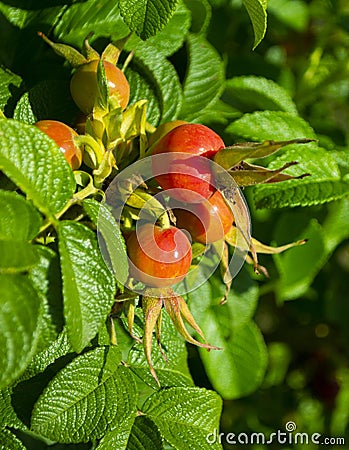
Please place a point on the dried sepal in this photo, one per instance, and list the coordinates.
(233, 155)
(152, 313)
(250, 174)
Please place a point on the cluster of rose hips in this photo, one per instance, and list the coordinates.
(160, 257)
(198, 207)
(113, 135)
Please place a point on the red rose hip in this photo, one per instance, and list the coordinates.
(187, 166)
(63, 135)
(159, 257)
(208, 221)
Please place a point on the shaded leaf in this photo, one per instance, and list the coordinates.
(93, 383)
(185, 416)
(298, 266)
(88, 284)
(8, 441)
(112, 238)
(16, 256)
(204, 79)
(46, 100)
(19, 220)
(20, 311)
(163, 74)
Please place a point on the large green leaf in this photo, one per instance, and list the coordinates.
(185, 416)
(147, 17)
(140, 434)
(335, 225)
(257, 10)
(46, 278)
(16, 256)
(88, 397)
(298, 266)
(275, 125)
(158, 69)
(323, 185)
(204, 79)
(239, 368)
(201, 13)
(250, 92)
(35, 163)
(8, 416)
(8, 441)
(109, 236)
(82, 18)
(171, 37)
(19, 220)
(88, 284)
(141, 88)
(20, 311)
(49, 99)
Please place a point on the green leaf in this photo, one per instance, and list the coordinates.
(48, 99)
(228, 326)
(163, 74)
(110, 237)
(335, 225)
(257, 10)
(8, 416)
(239, 368)
(16, 256)
(175, 371)
(185, 416)
(19, 220)
(9, 84)
(323, 184)
(140, 434)
(118, 438)
(142, 87)
(145, 435)
(58, 348)
(147, 17)
(88, 285)
(171, 37)
(46, 279)
(35, 163)
(19, 325)
(248, 93)
(204, 79)
(266, 125)
(201, 12)
(8, 441)
(80, 19)
(86, 398)
(298, 266)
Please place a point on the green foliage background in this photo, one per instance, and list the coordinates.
(285, 338)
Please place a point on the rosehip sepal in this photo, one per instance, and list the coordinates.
(152, 302)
